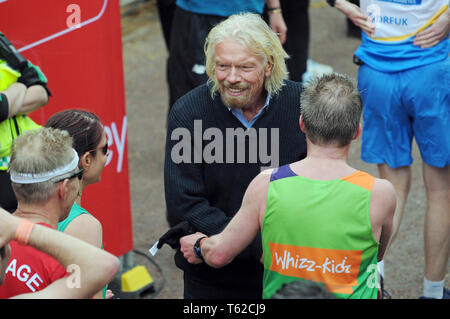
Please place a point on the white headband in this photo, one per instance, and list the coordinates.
(26, 178)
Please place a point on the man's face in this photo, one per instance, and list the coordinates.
(5, 253)
(240, 74)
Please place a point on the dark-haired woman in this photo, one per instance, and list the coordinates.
(90, 142)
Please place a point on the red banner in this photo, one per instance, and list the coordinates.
(77, 44)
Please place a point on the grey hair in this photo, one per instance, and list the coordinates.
(331, 108)
(252, 32)
(38, 151)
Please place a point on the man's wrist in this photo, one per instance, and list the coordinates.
(274, 10)
(10, 225)
(23, 231)
(198, 247)
(273, 7)
(338, 4)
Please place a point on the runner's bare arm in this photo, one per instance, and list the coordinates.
(353, 12)
(382, 208)
(219, 250)
(97, 267)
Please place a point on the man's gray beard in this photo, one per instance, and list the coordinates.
(237, 106)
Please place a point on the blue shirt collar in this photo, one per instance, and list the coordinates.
(240, 115)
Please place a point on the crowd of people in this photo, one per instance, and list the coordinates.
(44, 172)
(266, 189)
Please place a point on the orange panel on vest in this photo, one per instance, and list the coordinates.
(337, 269)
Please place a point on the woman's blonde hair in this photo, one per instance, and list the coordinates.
(252, 32)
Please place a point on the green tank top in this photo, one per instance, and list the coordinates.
(320, 231)
(76, 211)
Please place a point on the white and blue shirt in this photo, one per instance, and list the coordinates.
(223, 8)
(390, 48)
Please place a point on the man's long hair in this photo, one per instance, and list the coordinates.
(252, 32)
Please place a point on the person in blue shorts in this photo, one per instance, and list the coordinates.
(404, 80)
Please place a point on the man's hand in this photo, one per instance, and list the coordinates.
(435, 33)
(8, 226)
(278, 25)
(173, 235)
(187, 247)
(353, 12)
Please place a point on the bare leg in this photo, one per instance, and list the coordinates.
(401, 180)
(437, 221)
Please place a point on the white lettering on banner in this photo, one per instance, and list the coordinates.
(23, 273)
(114, 138)
(65, 31)
(110, 139)
(73, 20)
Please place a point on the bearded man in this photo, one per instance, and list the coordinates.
(220, 136)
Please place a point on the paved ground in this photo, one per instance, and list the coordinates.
(146, 93)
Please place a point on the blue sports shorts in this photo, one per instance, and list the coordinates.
(401, 105)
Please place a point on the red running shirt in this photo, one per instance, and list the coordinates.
(29, 270)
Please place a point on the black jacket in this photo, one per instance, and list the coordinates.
(206, 187)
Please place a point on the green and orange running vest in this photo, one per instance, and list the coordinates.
(320, 231)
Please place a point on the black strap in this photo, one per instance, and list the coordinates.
(197, 248)
(4, 107)
(16, 125)
(357, 61)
